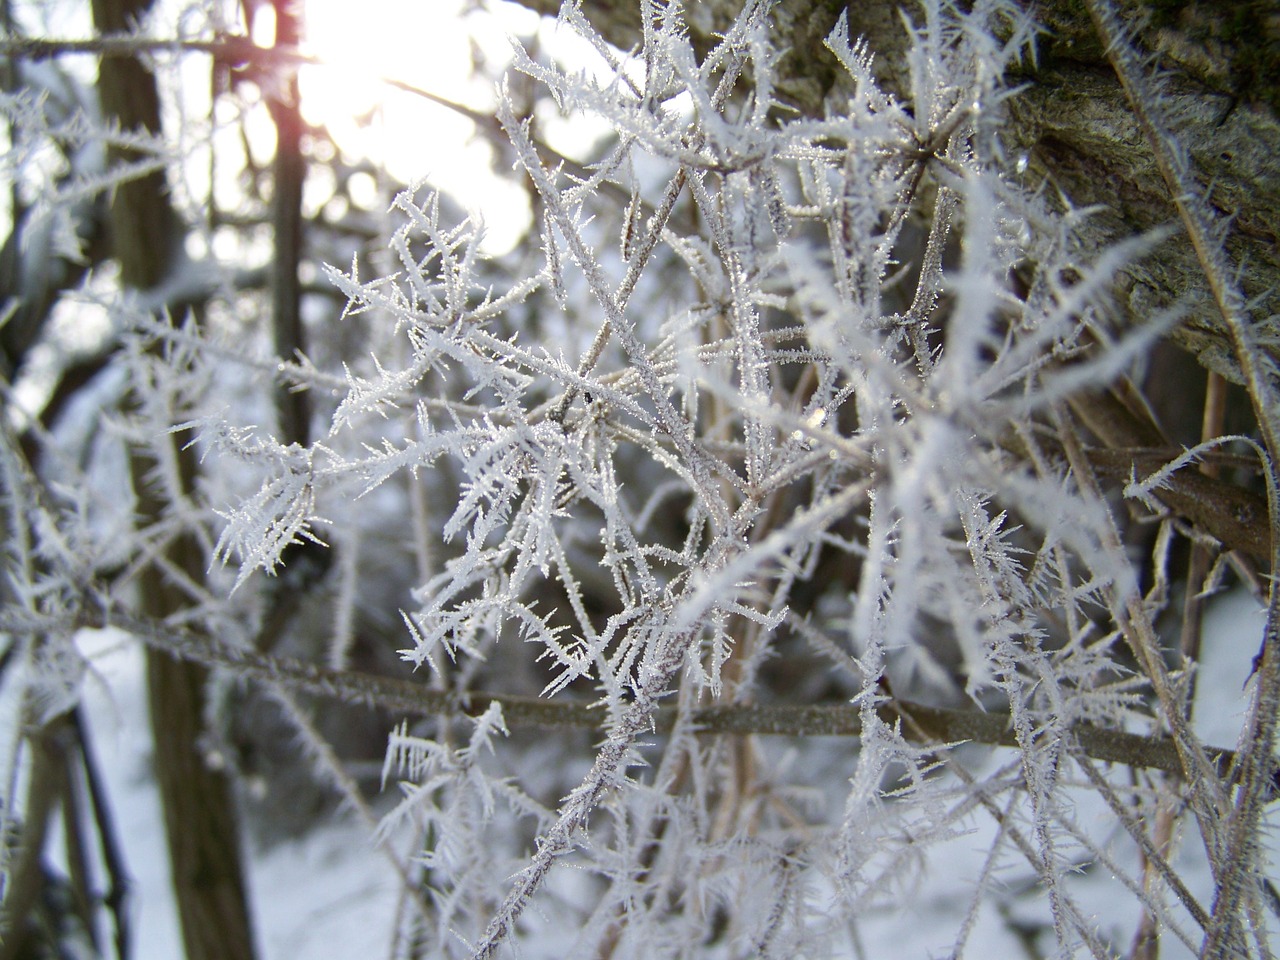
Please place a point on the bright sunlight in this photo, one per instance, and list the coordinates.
(367, 50)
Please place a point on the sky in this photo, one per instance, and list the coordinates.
(432, 46)
(429, 46)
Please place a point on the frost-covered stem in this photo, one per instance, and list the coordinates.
(670, 420)
(1039, 775)
(930, 284)
(1130, 613)
(1103, 856)
(726, 556)
(937, 724)
(1154, 860)
(1237, 855)
(1071, 914)
(330, 766)
(1154, 853)
(30, 745)
(605, 773)
(652, 820)
(657, 223)
(634, 268)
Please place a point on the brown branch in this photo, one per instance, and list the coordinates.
(1233, 515)
(926, 724)
(231, 49)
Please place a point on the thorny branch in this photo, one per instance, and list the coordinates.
(929, 725)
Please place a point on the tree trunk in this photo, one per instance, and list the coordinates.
(286, 221)
(199, 813)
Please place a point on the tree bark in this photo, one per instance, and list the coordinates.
(45, 788)
(1074, 128)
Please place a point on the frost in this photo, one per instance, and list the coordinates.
(770, 428)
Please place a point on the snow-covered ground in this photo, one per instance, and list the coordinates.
(328, 895)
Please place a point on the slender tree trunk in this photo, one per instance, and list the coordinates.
(286, 219)
(45, 789)
(199, 812)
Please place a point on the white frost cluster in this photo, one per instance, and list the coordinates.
(770, 413)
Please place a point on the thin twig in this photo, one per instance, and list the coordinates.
(934, 724)
(117, 896)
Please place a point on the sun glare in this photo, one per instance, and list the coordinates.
(426, 45)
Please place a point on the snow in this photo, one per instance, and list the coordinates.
(1232, 638)
(329, 894)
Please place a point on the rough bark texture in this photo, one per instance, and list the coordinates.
(1079, 133)
(1079, 137)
